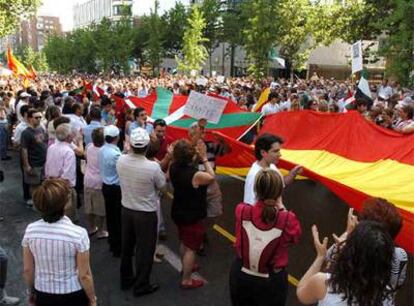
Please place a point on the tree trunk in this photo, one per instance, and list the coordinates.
(210, 62)
(232, 50)
(292, 73)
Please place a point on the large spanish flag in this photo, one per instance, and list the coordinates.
(234, 121)
(354, 158)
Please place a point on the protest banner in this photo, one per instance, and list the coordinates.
(201, 81)
(202, 106)
(356, 53)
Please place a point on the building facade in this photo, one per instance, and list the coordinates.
(33, 33)
(93, 11)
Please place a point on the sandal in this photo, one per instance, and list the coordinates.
(195, 283)
(195, 268)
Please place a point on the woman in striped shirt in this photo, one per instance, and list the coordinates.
(56, 252)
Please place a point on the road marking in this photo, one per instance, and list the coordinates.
(230, 237)
(175, 261)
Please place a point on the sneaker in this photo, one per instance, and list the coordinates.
(9, 300)
(29, 203)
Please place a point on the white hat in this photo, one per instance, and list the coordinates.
(111, 130)
(139, 138)
(25, 95)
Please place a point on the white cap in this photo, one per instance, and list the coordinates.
(25, 95)
(111, 130)
(139, 138)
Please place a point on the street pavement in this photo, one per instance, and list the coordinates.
(311, 201)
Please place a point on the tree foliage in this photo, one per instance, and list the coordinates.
(260, 34)
(154, 46)
(36, 59)
(11, 11)
(174, 23)
(194, 51)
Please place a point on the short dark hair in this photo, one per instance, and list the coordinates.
(160, 122)
(265, 142)
(153, 148)
(76, 106)
(105, 100)
(24, 109)
(137, 111)
(141, 151)
(273, 95)
(50, 199)
(183, 152)
(95, 113)
(60, 120)
(408, 109)
(31, 111)
(98, 137)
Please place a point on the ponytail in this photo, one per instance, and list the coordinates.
(268, 187)
(269, 211)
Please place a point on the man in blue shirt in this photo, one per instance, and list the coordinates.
(95, 115)
(140, 117)
(107, 158)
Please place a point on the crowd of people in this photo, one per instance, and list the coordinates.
(77, 150)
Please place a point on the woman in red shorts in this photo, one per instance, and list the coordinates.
(189, 206)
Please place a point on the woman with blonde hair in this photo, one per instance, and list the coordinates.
(264, 232)
(56, 252)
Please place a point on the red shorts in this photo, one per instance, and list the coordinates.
(192, 235)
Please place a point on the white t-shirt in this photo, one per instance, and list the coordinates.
(270, 108)
(249, 195)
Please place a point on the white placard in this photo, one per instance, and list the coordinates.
(220, 79)
(213, 73)
(193, 73)
(200, 106)
(356, 54)
(201, 81)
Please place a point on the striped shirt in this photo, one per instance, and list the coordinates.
(54, 247)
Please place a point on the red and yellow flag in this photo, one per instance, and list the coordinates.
(354, 158)
(16, 66)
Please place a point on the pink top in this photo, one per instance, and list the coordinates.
(92, 177)
(291, 232)
(61, 162)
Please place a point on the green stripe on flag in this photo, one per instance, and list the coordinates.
(161, 106)
(226, 121)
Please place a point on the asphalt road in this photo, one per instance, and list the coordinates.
(312, 203)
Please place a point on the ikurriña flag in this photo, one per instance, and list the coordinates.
(162, 103)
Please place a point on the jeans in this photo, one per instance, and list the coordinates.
(4, 138)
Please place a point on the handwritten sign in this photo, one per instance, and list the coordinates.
(201, 81)
(356, 52)
(200, 106)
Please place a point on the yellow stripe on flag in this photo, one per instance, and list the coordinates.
(262, 99)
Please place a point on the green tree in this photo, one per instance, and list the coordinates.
(213, 29)
(59, 52)
(294, 32)
(11, 12)
(260, 34)
(140, 37)
(174, 24)
(194, 52)
(233, 21)
(36, 59)
(154, 44)
(399, 43)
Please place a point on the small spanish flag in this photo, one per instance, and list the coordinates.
(16, 66)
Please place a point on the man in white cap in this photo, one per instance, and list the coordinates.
(141, 181)
(23, 100)
(107, 158)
